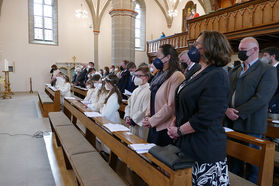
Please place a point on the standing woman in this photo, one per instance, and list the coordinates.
(200, 105)
(161, 112)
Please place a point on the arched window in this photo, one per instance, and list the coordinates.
(43, 22)
(140, 26)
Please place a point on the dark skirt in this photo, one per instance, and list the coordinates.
(160, 138)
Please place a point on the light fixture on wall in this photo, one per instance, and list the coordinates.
(172, 12)
(81, 13)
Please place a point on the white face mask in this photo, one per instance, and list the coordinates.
(132, 73)
(266, 60)
(151, 69)
(116, 70)
(137, 81)
(98, 85)
(88, 87)
(107, 87)
(111, 70)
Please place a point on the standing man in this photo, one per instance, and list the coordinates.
(271, 56)
(253, 84)
(190, 67)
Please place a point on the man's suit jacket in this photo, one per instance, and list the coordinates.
(192, 71)
(81, 78)
(253, 91)
(274, 103)
(126, 82)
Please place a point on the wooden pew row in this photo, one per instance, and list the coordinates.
(273, 132)
(49, 101)
(79, 155)
(79, 91)
(263, 158)
(145, 165)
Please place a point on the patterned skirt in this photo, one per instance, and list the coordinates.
(207, 174)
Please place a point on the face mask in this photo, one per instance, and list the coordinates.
(106, 87)
(121, 68)
(184, 65)
(88, 87)
(194, 54)
(266, 60)
(132, 73)
(51, 71)
(116, 70)
(88, 76)
(110, 70)
(151, 70)
(98, 85)
(137, 81)
(158, 63)
(242, 55)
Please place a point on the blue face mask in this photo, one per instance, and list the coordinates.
(158, 63)
(194, 54)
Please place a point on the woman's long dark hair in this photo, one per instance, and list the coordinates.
(168, 49)
(113, 80)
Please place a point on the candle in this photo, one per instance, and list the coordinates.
(6, 65)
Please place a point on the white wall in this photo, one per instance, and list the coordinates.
(31, 60)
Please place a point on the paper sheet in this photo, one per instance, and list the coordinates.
(127, 93)
(116, 127)
(228, 129)
(141, 147)
(275, 121)
(70, 98)
(92, 114)
(86, 102)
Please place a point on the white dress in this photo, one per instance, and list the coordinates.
(65, 91)
(89, 94)
(97, 102)
(110, 109)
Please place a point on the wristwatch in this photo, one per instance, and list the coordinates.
(179, 132)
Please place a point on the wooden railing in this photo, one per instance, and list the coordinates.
(252, 18)
(177, 40)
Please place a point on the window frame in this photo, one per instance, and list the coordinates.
(142, 27)
(32, 27)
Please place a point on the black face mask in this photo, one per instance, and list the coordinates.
(51, 71)
(242, 55)
(184, 65)
(121, 68)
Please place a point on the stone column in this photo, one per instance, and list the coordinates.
(96, 48)
(123, 31)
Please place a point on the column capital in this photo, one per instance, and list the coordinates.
(123, 12)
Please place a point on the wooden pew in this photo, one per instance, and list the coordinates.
(145, 165)
(263, 158)
(79, 91)
(79, 155)
(49, 105)
(273, 132)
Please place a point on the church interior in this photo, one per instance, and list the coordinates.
(49, 137)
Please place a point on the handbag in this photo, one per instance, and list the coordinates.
(172, 156)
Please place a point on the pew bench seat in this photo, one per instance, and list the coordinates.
(236, 180)
(58, 119)
(92, 169)
(44, 98)
(72, 140)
